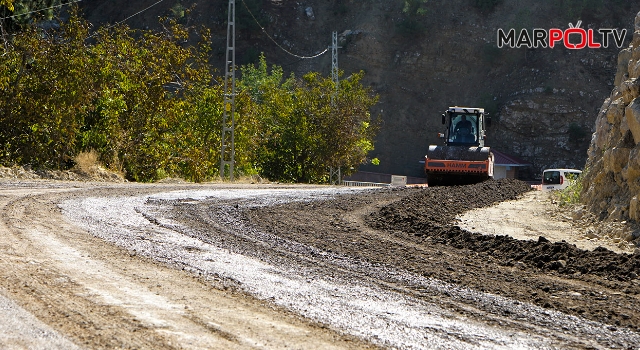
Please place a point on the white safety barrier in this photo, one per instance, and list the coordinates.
(364, 184)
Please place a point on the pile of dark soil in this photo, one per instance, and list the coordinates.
(428, 215)
(428, 210)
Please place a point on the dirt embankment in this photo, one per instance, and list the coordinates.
(416, 215)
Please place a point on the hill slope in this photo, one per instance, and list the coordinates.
(544, 101)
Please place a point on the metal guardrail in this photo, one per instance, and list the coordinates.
(364, 184)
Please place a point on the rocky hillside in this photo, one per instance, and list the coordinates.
(612, 184)
(544, 101)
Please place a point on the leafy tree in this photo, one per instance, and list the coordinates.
(413, 11)
(146, 81)
(46, 93)
(301, 132)
(276, 133)
(123, 95)
(347, 129)
(8, 4)
(150, 106)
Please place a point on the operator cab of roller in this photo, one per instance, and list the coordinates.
(465, 126)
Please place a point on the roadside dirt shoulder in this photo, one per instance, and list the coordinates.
(534, 215)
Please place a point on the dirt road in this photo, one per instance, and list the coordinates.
(70, 287)
(219, 266)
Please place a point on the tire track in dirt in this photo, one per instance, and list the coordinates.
(295, 276)
(325, 247)
(101, 296)
(329, 226)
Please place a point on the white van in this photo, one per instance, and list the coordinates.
(557, 179)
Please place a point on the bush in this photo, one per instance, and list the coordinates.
(412, 24)
(87, 161)
(572, 194)
(576, 133)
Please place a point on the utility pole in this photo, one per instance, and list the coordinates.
(227, 151)
(334, 63)
(334, 173)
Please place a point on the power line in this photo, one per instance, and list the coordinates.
(137, 13)
(133, 15)
(277, 44)
(40, 10)
(76, 1)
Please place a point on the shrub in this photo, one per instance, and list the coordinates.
(412, 24)
(87, 161)
(576, 133)
(572, 194)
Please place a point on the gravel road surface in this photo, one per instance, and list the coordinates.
(244, 266)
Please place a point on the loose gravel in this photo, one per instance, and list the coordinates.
(384, 265)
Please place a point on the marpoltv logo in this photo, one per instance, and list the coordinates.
(573, 38)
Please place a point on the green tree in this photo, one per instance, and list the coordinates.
(350, 130)
(123, 95)
(150, 106)
(146, 82)
(412, 24)
(46, 94)
(8, 4)
(301, 133)
(277, 133)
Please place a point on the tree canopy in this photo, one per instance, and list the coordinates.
(301, 131)
(8, 4)
(151, 106)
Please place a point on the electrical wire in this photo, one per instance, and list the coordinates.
(44, 9)
(137, 13)
(275, 42)
(133, 15)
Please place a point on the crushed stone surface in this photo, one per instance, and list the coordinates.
(348, 267)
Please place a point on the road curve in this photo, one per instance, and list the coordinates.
(183, 266)
(63, 288)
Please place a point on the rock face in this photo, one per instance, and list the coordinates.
(612, 182)
(546, 129)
